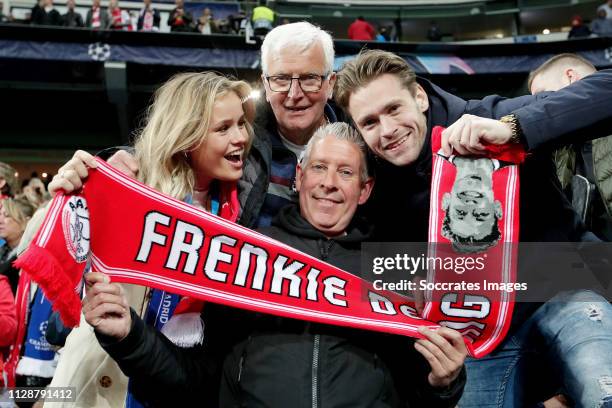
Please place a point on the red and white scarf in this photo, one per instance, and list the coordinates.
(95, 17)
(480, 314)
(147, 20)
(140, 236)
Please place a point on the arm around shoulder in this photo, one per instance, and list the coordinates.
(576, 113)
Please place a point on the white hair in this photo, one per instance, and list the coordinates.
(299, 36)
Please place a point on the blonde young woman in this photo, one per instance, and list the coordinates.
(192, 148)
(14, 216)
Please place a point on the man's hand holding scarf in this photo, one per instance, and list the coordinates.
(470, 133)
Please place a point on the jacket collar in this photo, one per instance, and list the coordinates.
(290, 220)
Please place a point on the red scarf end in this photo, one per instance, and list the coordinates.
(40, 264)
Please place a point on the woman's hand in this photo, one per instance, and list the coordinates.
(71, 175)
(105, 306)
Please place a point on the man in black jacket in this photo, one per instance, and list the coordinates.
(271, 361)
(395, 113)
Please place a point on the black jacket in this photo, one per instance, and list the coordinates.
(156, 19)
(180, 22)
(73, 19)
(400, 212)
(257, 360)
(50, 18)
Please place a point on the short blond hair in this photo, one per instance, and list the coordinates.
(19, 209)
(367, 66)
(178, 121)
(561, 60)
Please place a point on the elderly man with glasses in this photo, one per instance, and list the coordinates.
(296, 61)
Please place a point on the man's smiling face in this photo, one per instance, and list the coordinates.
(299, 113)
(330, 185)
(390, 118)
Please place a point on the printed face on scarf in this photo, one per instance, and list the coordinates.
(471, 209)
(219, 156)
(391, 118)
(298, 113)
(330, 185)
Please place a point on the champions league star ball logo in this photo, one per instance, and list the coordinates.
(75, 223)
(99, 51)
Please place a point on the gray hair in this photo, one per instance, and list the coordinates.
(299, 36)
(341, 131)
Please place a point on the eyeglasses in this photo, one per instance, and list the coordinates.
(308, 83)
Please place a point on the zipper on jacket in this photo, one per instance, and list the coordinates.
(240, 366)
(325, 248)
(315, 371)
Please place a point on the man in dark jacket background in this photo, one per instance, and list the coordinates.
(271, 361)
(395, 114)
(584, 169)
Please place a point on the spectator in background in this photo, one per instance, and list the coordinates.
(96, 18)
(206, 22)
(361, 30)
(118, 19)
(602, 25)
(382, 35)
(607, 6)
(14, 215)
(31, 362)
(579, 30)
(36, 192)
(148, 18)
(396, 32)
(4, 18)
(46, 14)
(9, 185)
(433, 33)
(584, 169)
(180, 20)
(263, 19)
(72, 18)
(237, 21)
(35, 10)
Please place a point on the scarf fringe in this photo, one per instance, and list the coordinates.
(42, 266)
(185, 330)
(35, 367)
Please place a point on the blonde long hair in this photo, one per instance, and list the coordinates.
(178, 121)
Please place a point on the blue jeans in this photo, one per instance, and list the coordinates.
(574, 332)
